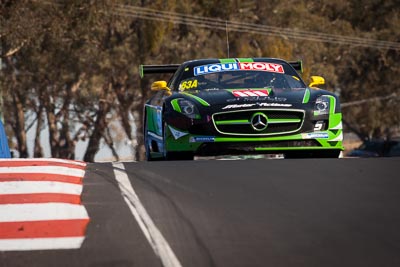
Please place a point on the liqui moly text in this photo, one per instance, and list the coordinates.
(220, 67)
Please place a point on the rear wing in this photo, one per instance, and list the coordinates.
(297, 65)
(146, 69)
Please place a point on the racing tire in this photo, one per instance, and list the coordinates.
(146, 145)
(179, 156)
(148, 153)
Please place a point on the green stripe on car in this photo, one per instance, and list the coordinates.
(232, 122)
(175, 105)
(227, 60)
(306, 96)
(198, 99)
(245, 60)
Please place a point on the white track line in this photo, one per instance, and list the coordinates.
(25, 244)
(27, 187)
(41, 212)
(156, 239)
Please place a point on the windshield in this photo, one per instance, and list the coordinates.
(202, 78)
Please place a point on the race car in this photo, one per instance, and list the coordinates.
(238, 106)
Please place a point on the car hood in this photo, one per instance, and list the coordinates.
(247, 96)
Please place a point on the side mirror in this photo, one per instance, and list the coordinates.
(159, 86)
(316, 81)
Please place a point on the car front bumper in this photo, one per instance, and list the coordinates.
(182, 141)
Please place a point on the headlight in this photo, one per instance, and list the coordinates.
(188, 109)
(322, 105)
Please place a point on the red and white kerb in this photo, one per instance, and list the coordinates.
(40, 204)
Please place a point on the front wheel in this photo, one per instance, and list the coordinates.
(179, 156)
(147, 145)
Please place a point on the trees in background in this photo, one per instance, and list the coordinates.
(71, 67)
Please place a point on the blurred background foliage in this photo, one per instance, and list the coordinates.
(69, 69)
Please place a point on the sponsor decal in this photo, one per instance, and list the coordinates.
(257, 105)
(257, 98)
(239, 106)
(247, 93)
(175, 133)
(315, 135)
(273, 105)
(219, 67)
(202, 139)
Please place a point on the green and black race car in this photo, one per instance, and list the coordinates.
(239, 106)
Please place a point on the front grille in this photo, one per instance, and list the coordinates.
(244, 122)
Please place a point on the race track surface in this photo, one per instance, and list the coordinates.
(311, 212)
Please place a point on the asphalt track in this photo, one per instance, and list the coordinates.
(311, 212)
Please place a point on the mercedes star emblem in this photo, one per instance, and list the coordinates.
(259, 121)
